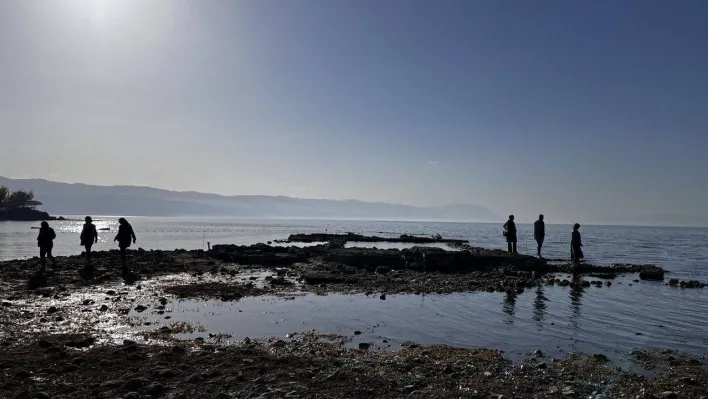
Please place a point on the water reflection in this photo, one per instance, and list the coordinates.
(539, 306)
(509, 307)
(576, 293)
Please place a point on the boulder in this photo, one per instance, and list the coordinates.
(652, 273)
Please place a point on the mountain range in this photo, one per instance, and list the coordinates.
(82, 199)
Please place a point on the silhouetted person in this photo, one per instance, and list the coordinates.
(45, 242)
(89, 236)
(510, 234)
(124, 237)
(539, 233)
(576, 253)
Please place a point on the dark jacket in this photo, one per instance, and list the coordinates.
(576, 252)
(539, 230)
(510, 228)
(89, 234)
(45, 238)
(125, 235)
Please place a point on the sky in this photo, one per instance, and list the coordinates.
(588, 111)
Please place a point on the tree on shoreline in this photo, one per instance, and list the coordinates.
(17, 198)
(4, 194)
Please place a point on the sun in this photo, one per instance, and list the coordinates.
(122, 19)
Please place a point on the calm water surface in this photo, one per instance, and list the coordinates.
(610, 319)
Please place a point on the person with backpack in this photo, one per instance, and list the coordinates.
(124, 237)
(510, 234)
(45, 242)
(89, 236)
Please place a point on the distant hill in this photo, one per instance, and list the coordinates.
(80, 199)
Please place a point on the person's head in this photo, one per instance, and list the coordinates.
(122, 221)
(45, 225)
(88, 219)
(511, 217)
(540, 217)
(576, 226)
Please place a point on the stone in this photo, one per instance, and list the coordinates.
(652, 273)
(164, 373)
(140, 308)
(357, 332)
(542, 366)
(364, 345)
(383, 297)
(70, 368)
(42, 395)
(44, 344)
(669, 395)
(135, 384)
(194, 379)
(156, 389)
(111, 384)
(52, 310)
(487, 373)
(600, 357)
(22, 374)
(132, 395)
(538, 353)
(103, 308)
(222, 395)
(383, 270)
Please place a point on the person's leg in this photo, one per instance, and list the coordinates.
(573, 255)
(515, 251)
(42, 255)
(88, 252)
(508, 244)
(122, 254)
(51, 257)
(540, 245)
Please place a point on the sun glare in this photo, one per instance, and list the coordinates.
(123, 19)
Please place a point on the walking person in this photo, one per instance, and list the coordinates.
(89, 236)
(510, 234)
(45, 242)
(576, 253)
(124, 237)
(539, 233)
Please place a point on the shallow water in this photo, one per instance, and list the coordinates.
(554, 319)
(606, 319)
(397, 245)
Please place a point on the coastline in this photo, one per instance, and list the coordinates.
(67, 348)
(21, 214)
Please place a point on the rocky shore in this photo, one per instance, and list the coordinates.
(21, 214)
(311, 366)
(55, 344)
(323, 269)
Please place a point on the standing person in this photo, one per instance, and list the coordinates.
(89, 236)
(576, 253)
(539, 233)
(124, 236)
(45, 242)
(510, 234)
